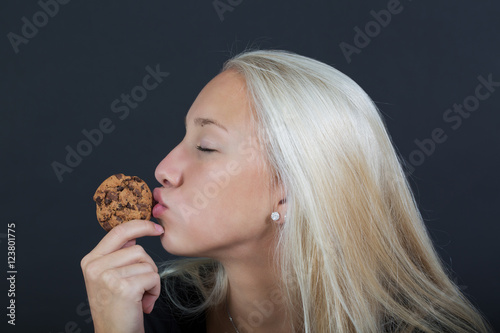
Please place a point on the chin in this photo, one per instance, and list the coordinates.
(174, 245)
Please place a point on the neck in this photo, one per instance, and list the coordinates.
(254, 299)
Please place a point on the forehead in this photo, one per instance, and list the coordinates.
(224, 100)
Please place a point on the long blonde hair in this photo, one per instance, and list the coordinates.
(353, 251)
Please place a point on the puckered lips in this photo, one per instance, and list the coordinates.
(159, 206)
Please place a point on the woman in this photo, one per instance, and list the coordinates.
(290, 200)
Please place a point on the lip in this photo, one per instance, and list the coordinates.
(160, 207)
(157, 197)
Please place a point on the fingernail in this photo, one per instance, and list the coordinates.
(159, 228)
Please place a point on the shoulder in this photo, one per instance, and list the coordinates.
(165, 317)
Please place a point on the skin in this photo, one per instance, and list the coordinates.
(219, 206)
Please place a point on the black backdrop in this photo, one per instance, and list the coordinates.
(66, 67)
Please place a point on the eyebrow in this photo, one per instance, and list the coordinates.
(206, 121)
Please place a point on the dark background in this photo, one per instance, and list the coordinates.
(64, 79)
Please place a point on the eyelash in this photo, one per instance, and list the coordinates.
(207, 150)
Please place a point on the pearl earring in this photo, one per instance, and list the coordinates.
(275, 216)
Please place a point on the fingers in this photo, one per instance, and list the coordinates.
(152, 287)
(136, 289)
(121, 278)
(119, 259)
(135, 269)
(123, 233)
(143, 288)
(127, 256)
(129, 243)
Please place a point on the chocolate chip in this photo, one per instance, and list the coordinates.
(119, 188)
(119, 176)
(107, 201)
(120, 207)
(98, 200)
(138, 193)
(119, 219)
(128, 205)
(112, 196)
(106, 226)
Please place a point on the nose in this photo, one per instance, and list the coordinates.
(169, 172)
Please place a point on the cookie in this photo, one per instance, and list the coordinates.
(122, 198)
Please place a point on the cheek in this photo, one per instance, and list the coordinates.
(229, 192)
(219, 206)
(244, 200)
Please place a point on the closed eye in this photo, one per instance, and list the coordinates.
(207, 150)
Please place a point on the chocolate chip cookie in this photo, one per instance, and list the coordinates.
(122, 198)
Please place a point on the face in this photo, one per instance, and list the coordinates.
(215, 193)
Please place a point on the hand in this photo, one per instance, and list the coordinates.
(122, 280)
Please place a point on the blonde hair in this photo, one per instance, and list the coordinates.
(353, 251)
